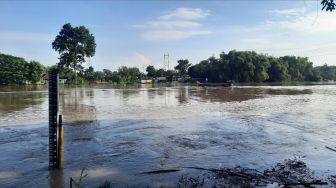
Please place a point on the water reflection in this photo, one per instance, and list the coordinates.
(127, 93)
(239, 94)
(78, 105)
(107, 101)
(56, 179)
(10, 102)
(182, 95)
(22, 88)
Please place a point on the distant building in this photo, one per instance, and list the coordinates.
(160, 79)
(60, 80)
(146, 81)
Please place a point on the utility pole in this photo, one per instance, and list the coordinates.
(166, 61)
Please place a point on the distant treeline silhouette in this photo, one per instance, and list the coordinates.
(240, 66)
(249, 66)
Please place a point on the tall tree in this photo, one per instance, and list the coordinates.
(151, 72)
(74, 44)
(182, 67)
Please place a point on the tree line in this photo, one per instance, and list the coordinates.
(249, 66)
(240, 66)
(124, 75)
(16, 70)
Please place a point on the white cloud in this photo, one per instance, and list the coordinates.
(142, 59)
(167, 24)
(266, 43)
(310, 23)
(257, 41)
(309, 34)
(167, 35)
(137, 59)
(180, 23)
(288, 12)
(26, 36)
(186, 13)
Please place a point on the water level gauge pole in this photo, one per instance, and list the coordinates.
(53, 120)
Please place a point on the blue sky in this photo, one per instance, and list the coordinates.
(138, 33)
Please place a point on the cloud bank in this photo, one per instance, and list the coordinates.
(177, 24)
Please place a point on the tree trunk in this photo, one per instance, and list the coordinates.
(75, 74)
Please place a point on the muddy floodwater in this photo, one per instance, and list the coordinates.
(118, 133)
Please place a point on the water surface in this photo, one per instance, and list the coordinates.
(119, 132)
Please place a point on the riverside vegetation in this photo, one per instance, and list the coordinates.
(240, 66)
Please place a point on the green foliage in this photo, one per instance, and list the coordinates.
(327, 72)
(128, 75)
(64, 72)
(123, 75)
(182, 67)
(74, 44)
(90, 75)
(328, 5)
(241, 66)
(161, 73)
(278, 71)
(248, 66)
(262, 65)
(99, 75)
(151, 71)
(35, 71)
(16, 70)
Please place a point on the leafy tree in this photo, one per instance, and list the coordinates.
(64, 72)
(248, 66)
(35, 71)
(182, 67)
(241, 66)
(217, 70)
(108, 75)
(151, 71)
(99, 75)
(262, 64)
(313, 75)
(74, 44)
(200, 70)
(16, 70)
(128, 75)
(278, 71)
(90, 75)
(161, 73)
(328, 5)
(13, 69)
(327, 72)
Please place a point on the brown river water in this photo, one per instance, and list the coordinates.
(117, 133)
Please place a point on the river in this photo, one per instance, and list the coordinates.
(117, 133)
